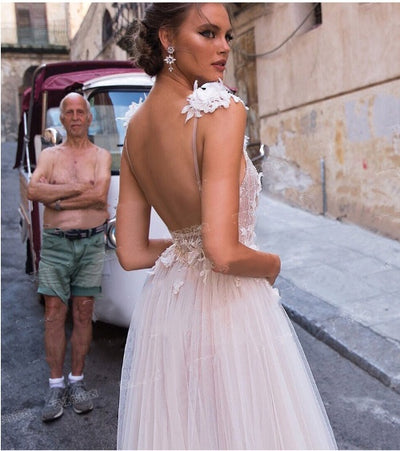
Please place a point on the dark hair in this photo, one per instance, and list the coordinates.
(147, 49)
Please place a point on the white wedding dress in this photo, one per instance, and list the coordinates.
(211, 360)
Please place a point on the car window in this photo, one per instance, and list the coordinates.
(109, 109)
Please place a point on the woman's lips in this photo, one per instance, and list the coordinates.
(220, 65)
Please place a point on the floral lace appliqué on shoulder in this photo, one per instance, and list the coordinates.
(207, 99)
(133, 107)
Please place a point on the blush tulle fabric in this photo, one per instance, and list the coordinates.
(212, 360)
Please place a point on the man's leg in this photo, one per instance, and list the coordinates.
(82, 310)
(55, 346)
(54, 334)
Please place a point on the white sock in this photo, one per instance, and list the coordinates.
(57, 382)
(72, 379)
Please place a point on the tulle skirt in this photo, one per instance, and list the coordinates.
(212, 362)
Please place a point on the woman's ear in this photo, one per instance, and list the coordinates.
(165, 37)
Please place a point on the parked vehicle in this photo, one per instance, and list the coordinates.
(110, 87)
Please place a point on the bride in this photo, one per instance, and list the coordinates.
(211, 360)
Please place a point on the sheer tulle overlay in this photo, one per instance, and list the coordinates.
(212, 361)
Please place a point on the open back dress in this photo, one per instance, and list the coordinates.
(212, 360)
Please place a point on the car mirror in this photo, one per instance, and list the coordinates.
(51, 137)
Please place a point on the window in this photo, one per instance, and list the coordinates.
(107, 28)
(108, 128)
(31, 24)
(24, 27)
(318, 14)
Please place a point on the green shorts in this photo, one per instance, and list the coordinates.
(71, 267)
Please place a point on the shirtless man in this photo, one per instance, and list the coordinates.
(72, 181)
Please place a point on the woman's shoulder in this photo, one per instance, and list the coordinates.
(208, 98)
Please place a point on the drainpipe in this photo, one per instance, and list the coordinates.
(323, 184)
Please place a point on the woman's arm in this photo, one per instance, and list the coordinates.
(223, 137)
(134, 248)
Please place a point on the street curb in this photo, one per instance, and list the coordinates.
(370, 351)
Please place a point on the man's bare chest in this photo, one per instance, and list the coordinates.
(70, 168)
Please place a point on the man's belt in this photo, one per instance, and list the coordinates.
(77, 234)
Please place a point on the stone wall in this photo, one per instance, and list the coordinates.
(13, 68)
(87, 43)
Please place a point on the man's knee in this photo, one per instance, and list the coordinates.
(55, 309)
(82, 309)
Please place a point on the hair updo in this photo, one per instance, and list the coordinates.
(147, 48)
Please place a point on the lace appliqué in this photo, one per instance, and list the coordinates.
(133, 107)
(186, 250)
(207, 99)
(250, 190)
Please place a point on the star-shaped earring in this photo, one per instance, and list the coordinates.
(169, 59)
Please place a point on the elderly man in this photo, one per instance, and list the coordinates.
(72, 181)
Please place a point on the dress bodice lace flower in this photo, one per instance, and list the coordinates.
(207, 99)
(187, 247)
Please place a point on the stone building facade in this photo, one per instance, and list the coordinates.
(102, 34)
(327, 102)
(32, 34)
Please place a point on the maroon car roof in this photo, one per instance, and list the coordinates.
(63, 81)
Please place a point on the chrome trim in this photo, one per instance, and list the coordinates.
(111, 241)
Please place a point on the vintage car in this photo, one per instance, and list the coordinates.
(111, 87)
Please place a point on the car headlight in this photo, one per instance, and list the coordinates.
(111, 240)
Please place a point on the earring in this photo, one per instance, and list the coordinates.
(170, 60)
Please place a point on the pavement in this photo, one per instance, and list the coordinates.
(338, 281)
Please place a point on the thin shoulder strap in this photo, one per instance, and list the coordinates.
(128, 158)
(194, 150)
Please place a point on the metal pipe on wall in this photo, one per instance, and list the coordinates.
(323, 185)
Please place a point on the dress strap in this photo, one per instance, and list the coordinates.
(195, 160)
(128, 158)
(205, 99)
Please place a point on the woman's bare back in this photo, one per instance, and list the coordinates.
(162, 159)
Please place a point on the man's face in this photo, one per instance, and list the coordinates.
(75, 117)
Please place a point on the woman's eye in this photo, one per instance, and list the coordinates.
(207, 34)
(229, 38)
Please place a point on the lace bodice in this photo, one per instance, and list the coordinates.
(187, 243)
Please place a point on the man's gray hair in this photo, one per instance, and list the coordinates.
(73, 94)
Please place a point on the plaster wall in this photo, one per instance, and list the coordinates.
(8, 20)
(332, 92)
(355, 46)
(357, 136)
(77, 11)
(57, 14)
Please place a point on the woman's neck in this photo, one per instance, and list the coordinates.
(177, 82)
